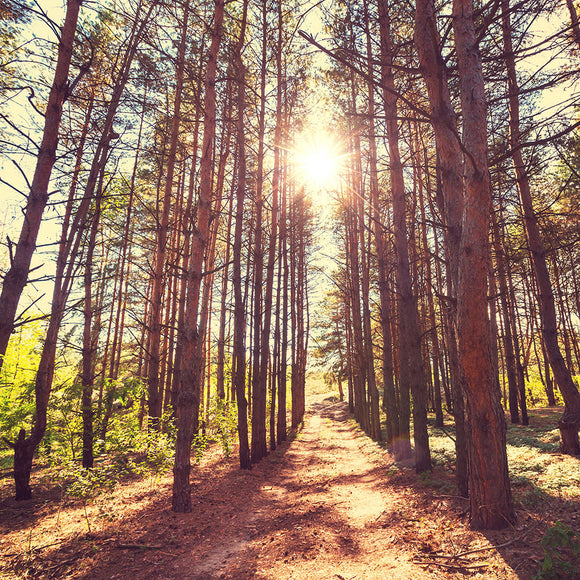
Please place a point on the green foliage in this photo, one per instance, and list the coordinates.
(13, 16)
(16, 409)
(316, 383)
(17, 379)
(536, 393)
(138, 453)
(124, 432)
(84, 483)
(199, 445)
(532, 464)
(442, 446)
(160, 447)
(223, 417)
(64, 427)
(561, 546)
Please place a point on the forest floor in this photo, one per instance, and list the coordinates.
(328, 505)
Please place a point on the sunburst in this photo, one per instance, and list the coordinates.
(319, 161)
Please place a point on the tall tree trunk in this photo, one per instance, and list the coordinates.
(429, 292)
(188, 399)
(411, 366)
(489, 487)
(64, 275)
(155, 312)
(259, 372)
(269, 287)
(574, 21)
(514, 319)
(187, 230)
(239, 351)
(90, 336)
(444, 121)
(16, 277)
(68, 251)
(221, 342)
(353, 285)
(569, 423)
(126, 255)
(281, 422)
(374, 403)
(510, 362)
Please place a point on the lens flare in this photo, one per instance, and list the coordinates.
(319, 161)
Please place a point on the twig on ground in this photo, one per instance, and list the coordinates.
(62, 563)
(454, 566)
(32, 549)
(139, 546)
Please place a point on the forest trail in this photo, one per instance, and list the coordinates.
(329, 505)
(320, 510)
(317, 514)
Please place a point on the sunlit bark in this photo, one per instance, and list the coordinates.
(188, 398)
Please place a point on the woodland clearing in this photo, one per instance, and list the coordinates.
(329, 504)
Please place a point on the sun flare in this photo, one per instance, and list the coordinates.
(319, 160)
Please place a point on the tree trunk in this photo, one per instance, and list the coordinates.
(188, 399)
(155, 312)
(90, 333)
(281, 421)
(411, 366)
(510, 363)
(374, 403)
(259, 372)
(437, 403)
(16, 277)
(269, 287)
(574, 21)
(69, 245)
(239, 351)
(444, 121)
(569, 423)
(489, 487)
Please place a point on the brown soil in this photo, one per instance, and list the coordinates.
(329, 505)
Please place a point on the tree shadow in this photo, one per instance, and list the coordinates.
(242, 519)
(154, 542)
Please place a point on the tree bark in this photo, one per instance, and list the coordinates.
(155, 311)
(489, 488)
(259, 447)
(239, 351)
(69, 245)
(444, 122)
(90, 337)
(574, 21)
(411, 365)
(510, 363)
(188, 399)
(569, 423)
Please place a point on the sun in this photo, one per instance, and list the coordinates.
(319, 159)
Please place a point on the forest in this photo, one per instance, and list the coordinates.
(211, 209)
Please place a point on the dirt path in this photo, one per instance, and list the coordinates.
(320, 509)
(330, 505)
(317, 516)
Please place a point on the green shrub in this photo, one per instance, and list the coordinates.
(536, 393)
(561, 546)
(199, 445)
(225, 422)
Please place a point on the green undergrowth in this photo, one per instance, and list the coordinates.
(537, 468)
(561, 546)
(130, 452)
